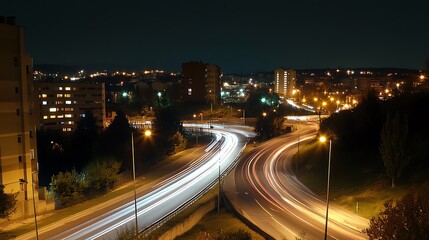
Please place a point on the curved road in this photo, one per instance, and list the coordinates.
(155, 203)
(265, 190)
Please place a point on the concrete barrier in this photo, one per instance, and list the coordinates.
(189, 222)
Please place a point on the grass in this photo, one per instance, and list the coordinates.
(357, 178)
(211, 223)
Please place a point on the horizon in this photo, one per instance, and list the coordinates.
(240, 37)
(93, 68)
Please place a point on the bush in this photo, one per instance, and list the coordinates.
(68, 188)
(408, 218)
(237, 235)
(101, 174)
(7, 203)
(179, 142)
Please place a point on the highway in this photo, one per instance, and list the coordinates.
(164, 197)
(264, 189)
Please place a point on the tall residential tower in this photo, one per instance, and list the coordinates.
(201, 83)
(18, 118)
(284, 82)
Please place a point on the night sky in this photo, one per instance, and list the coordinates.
(240, 36)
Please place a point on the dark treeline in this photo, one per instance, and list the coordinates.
(359, 130)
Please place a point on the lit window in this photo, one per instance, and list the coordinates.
(68, 102)
(68, 116)
(189, 91)
(64, 129)
(52, 109)
(67, 95)
(44, 95)
(45, 117)
(59, 102)
(44, 102)
(59, 95)
(67, 88)
(70, 122)
(60, 88)
(53, 116)
(68, 129)
(60, 116)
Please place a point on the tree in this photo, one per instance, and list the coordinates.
(83, 140)
(261, 100)
(269, 125)
(7, 203)
(406, 219)
(393, 146)
(101, 174)
(178, 142)
(68, 188)
(115, 141)
(167, 123)
(119, 130)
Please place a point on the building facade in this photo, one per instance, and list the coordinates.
(63, 103)
(284, 82)
(200, 83)
(18, 118)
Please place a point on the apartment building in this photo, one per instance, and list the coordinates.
(200, 83)
(18, 119)
(63, 103)
(284, 82)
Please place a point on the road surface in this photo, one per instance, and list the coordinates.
(265, 190)
(107, 220)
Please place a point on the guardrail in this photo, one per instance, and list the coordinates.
(172, 214)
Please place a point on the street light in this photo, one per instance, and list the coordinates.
(147, 133)
(159, 99)
(219, 180)
(196, 133)
(244, 115)
(134, 183)
(323, 139)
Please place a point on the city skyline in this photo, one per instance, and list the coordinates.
(238, 36)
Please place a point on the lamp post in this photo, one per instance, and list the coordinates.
(196, 133)
(159, 99)
(297, 159)
(34, 206)
(218, 196)
(244, 117)
(134, 183)
(147, 133)
(323, 139)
